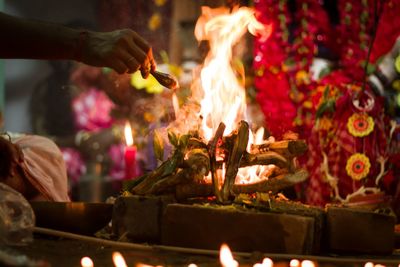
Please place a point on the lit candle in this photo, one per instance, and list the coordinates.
(118, 260)
(130, 153)
(86, 262)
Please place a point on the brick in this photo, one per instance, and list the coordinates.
(138, 217)
(352, 230)
(209, 227)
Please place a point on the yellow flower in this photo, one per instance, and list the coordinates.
(154, 22)
(360, 124)
(150, 84)
(397, 64)
(324, 123)
(302, 77)
(396, 85)
(357, 166)
(160, 2)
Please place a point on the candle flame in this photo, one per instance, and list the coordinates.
(118, 260)
(86, 262)
(307, 263)
(294, 263)
(267, 262)
(226, 257)
(147, 265)
(128, 134)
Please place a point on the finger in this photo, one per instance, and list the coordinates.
(129, 60)
(137, 52)
(119, 66)
(142, 44)
(152, 61)
(145, 72)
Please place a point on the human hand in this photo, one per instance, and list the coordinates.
(122, 50)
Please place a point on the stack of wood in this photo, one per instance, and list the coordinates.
(193, 159)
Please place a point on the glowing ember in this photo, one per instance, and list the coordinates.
(192, 265)
(86, 262)
(118, 260)
(226, 257)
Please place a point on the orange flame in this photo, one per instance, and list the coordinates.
(128, 134)
(118, 260)
(224, 98)
(226, 257)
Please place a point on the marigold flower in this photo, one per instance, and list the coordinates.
(358, 166)
(360, 124)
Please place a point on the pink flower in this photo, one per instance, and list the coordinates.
(92, 110)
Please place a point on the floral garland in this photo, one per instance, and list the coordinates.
(269, 59)
(348, 146)
(284, 65)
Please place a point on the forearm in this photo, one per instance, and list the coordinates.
(29, 39)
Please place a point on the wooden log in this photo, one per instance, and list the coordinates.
(273, 185)
(166, 169)
(265, 158)
(235, 155)
(213, 146)
(286, 148)
(197, 165)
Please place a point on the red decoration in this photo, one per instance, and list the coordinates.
(130, 153)
(290, 98)
(130, 162)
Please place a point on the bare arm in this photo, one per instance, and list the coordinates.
(122, 50)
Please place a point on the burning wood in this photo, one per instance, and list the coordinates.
(272, 185)
(216, 142)
(183, 173)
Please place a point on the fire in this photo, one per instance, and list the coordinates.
(267, 262)
(221, 95)
(226, 257)
(294, 263)
(118, 260)
(224, 98)
(86, 262)
(128, 134)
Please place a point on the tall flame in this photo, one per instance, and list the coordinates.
(224, 98)
(118, 260)
(226, 257)
(128, 134)
(216, 86)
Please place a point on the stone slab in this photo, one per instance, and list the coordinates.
(352, 230)
(208, 227)
(139, 217)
